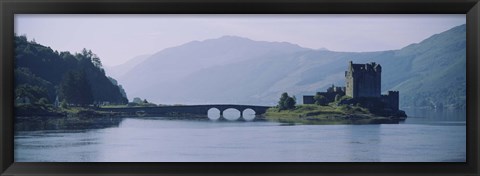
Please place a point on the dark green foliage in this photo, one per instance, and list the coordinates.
(352, 109)
(133, 104)
(337, 97)
(23, 76)
(290, 103)
(283, 97)
(141, 103)
(88, 55)
(320, 100)
(281, 102)
(33, 93)
(37, 65)
(75, 89)
(122, 91)
(64, 104)
(67, 89)
(286, 102)
(137, 100)
(43, 101)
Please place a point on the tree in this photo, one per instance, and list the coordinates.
(91, 57)
(281, 102)
(42, 101)
(64, 104)
(290, 103)
(96, 61)
(67, 88)
(286, 102)
(34, 93)
(137, 100)
(75, 88)
(85, 91)
(320, 99)
(122, 91)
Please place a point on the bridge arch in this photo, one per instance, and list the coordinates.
(248, 114)
(214, 113)
(232, 114)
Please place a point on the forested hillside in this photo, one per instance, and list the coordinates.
(43, 74)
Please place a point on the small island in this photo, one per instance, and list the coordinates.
(330, 115)
(360, 102)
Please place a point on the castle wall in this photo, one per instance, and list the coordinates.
(392, 100)
(308, 99)
(363, 80)
(368, 84)
(329, 95)
(349, 84)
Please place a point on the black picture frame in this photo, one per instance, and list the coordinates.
(8, 8)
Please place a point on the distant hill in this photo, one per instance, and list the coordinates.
(122, 69)
(239, 70)
(40, 72)
(432, 72)
(178, 62)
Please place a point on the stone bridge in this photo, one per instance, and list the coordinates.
(198, 111)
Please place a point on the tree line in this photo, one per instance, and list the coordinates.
(44, 75)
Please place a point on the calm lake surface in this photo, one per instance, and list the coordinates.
(426, 136)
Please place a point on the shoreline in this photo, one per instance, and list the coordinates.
(46, 118)
(331, 115)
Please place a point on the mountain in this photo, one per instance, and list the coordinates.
(172, 64)
(122, 69)
(431, 72)
(323, 49)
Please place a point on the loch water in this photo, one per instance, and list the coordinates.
(426, 136)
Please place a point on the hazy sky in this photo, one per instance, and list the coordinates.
(118, 38)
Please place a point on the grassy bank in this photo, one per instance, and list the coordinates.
(63, 123)
(30, 117)
(315, 114)
(50, 111)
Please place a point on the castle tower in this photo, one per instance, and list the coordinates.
(363, 80)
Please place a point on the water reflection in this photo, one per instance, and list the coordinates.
(231, 114)
(248, 114)
(157, 139)
(213, 114)
(365, 148)
(64, 123)
(436, 117)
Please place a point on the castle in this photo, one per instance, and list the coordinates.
(363, 82)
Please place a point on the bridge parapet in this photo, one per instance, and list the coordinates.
(198, 110)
